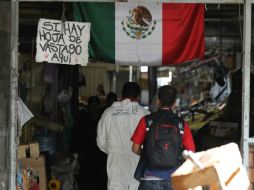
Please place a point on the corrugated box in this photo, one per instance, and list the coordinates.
(38, 164)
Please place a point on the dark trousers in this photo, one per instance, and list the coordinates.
(155, 185)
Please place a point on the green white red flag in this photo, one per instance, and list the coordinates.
(144, 33)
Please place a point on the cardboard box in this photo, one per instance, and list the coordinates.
(222, 170)
(32, 149)
(38, 164)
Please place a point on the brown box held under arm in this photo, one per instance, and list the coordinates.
(222, 170)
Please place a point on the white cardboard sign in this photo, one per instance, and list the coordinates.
(62, 43)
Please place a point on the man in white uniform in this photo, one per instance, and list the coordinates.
(114, 131)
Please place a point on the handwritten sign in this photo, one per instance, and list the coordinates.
(64, 43)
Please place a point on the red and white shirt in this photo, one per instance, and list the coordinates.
(139, 135)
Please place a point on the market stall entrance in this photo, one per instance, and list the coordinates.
(246, 89)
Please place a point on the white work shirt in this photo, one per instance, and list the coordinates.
(115, 128)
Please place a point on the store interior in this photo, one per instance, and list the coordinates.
(67, 100)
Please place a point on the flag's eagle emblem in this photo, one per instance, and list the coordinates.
(139, 23)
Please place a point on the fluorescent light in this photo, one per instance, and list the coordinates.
(144, 69)
(161, 81)
(170, 75)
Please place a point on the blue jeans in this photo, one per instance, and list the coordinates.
(155, 185)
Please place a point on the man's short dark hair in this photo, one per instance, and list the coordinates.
(167, 95)
(93, 99)
(131, 89)
(111, 97)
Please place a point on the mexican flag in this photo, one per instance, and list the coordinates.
(144, 33)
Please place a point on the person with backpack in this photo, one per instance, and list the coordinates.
(114, 131)
(160, 139)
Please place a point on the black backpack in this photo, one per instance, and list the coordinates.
(163, 143)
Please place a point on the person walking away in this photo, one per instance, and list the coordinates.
(163, 136)
(110, 99)
(84, 143)
(114, 131)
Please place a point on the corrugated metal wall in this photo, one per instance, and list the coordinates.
(95, 74)
(102, 73)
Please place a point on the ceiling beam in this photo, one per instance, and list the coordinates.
(146, 1)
